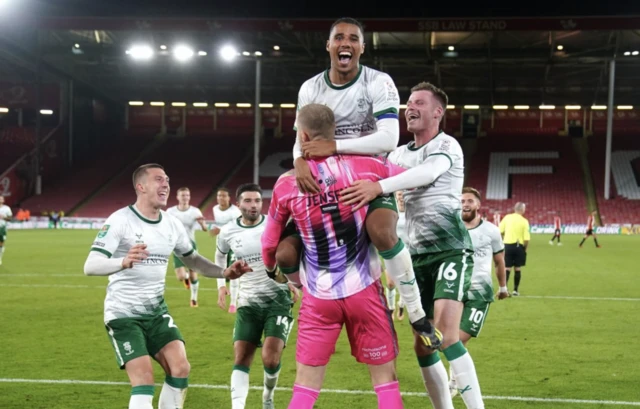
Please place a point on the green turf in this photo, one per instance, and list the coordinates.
(51, 321)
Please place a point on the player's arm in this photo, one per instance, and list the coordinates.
(277, 218)
(362, 192)
(304, 179)
(200, 220)
(222, 249)
(207, 268)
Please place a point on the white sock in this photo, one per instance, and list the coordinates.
(239, 386)
(270, 382)
(194, 290)
(464, 372)
(400, 268)
(141, 402)
(173, 396)
(391, 298)
(1, 252)
(141, 397)
(435, 379)
(234, 285)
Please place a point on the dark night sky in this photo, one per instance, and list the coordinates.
(330, 9)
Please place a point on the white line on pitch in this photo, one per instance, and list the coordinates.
(335, 391)
(552, 297)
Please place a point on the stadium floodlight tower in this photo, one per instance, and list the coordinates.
(229, 53)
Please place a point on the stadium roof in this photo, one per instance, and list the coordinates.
(495, 60)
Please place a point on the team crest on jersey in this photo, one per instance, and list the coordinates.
(392, 93)
(103, 231)
(445, 146)
(362, 106)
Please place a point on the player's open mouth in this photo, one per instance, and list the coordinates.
(162, 195)
(344, 57)
(412, 117)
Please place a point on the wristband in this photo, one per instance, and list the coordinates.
(503, 290)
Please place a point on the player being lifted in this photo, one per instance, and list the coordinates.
(340, 270)
(365, 103)
(133, 249)
(5, 216)
(591, 221)
(557, 226)
(487, 246)
(264, 306)
(223, 213)
(190, 217)
(440, 245)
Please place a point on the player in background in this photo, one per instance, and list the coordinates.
(557, 226)
(496, 219)
(264, 306)
(439, 243)
(340, 270)
(5, 216)
(365, 103)
(514, 229)
(190, 217)
(591, 222)
(223, 213)
(487, 247)
(133, 249)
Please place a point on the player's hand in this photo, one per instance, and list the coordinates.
(222, 297)
(318, 149)
(295, 292)
(360, 193)
(304, 179)
(237, 269)
(136, 254)
(214, 231)
(502, 294)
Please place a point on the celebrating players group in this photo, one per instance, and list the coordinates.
(329, 222)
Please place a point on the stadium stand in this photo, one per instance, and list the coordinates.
(15, 142)
(545, 174)
(618, 209)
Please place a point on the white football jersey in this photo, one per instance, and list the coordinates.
(401, 227)
(357, 105)
(487, 242)
(256, 288)
(189, 219)
(5, 211)
(222, 217)
(139, 291)
(433, 212)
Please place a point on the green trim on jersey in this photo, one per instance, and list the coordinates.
(250, 227)
(188, 253)
(412, 145)
(144, 219)
(385, 111)
(345, 86)
(103, 251)
(498, 252)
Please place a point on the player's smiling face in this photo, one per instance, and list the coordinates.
(156, 187)
(345, 46)
(223, 198)
(470, 206)
(422, 109)
(250, 205)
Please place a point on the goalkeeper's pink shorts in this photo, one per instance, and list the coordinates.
(369, 325)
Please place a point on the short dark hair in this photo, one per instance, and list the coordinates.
(142, 170)
(317, 120)
(247, 187)
(223, 189)
(438, 93)
(347, 20)
(183, 189)
(472, 191)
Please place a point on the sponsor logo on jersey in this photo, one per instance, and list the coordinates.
(103, 231)
(355, 129)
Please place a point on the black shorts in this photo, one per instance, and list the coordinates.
(557, 232)
(514, 255)
(589, 232)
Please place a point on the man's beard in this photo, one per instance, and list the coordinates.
(469, 216)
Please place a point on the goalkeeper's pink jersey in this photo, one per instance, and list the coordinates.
(338, 258)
